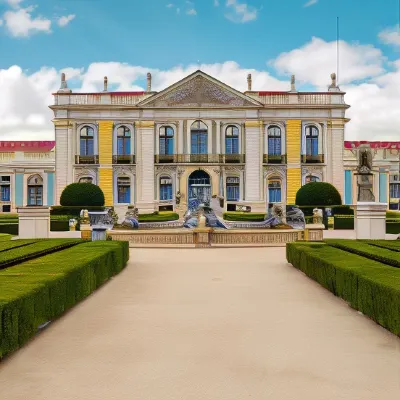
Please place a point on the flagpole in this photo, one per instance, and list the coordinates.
(337, 51)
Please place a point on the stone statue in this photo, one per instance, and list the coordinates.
(249, 82)
(84, 217)
(334, 81)
(317, 216)
(178, 198)
(131, 220)
(293, 83)
(364, 177)
(72, 224)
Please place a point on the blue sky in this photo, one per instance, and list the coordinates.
(272, 39)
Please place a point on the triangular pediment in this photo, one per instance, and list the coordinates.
(199, 90)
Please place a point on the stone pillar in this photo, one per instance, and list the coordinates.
(180, 137)
(314, 232)
(370, 220)
(253, 171)
(145, 167)
(293, 146)
(34, 222)
(64, 158)
(337, 149)
(86, 231)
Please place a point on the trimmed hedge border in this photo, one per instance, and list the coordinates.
(243, 216)
(40, 290)
(13, 244)
(393, 245)
(366, 250)
(160, 217)
(367, 285)
(28, 251)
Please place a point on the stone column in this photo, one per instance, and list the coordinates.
(218, 141)
(336, 160)
(180, 137)
(145, 167)
(64, 158)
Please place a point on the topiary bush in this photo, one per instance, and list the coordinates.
(82, 194)
(318, 194)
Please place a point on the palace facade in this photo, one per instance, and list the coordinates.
(199, 139)
(27, 174)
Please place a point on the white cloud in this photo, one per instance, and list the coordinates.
(191, 11)
(21, 23)
(170, 5)
(216, 3)
(391, 36)
(14, 3)
(65, 20)
(240, 12)
(310, 3)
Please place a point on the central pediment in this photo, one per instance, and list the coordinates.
(199, 90)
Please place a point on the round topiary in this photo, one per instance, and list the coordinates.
(318, 194)
(82, 194)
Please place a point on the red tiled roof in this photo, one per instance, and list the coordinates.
(27, 146)
(373, 145)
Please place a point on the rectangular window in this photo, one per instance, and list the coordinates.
(274, 146)
(395, 191)
(87, 147)
(165, 189)
(5, 188)
(199, 143)
(274, 192)
(232, 189)
(124, 190)
(35, 195)
(232, 145)
(312, 146)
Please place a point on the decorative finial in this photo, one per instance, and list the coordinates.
(334, 83)
(293, 83)
(249, 82)
(149, 82)
(63, 82)
(105, 84)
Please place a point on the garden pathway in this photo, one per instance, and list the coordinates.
(207, 324)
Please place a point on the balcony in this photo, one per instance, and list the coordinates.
(274, 159)
(124, 159)
(200, 158)
(312, 159)
(86, 159)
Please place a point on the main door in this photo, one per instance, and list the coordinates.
(199, 188)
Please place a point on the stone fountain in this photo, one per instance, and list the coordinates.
(101, 222)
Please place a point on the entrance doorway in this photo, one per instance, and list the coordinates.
(199, 189)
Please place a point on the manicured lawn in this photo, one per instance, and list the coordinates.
(162, 216)
(243, 216)
(41, 289)
(363, 274)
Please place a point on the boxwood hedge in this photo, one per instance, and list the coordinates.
(243, 216)
(367, 285)
(39, 290)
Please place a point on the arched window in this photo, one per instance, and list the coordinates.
(274, 190)
(312, 134)
(87, 141)
(123, 141)
(311, 178)
(124, 190)
(232, 140)
(35, 191)
(274, 141)
(199, 138)
(166, 140)
(86, 179)
(165, 188)
(232, 188)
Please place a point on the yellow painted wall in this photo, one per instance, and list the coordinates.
(293, 184)
(293, 141)
(106, 184)
(105, 142)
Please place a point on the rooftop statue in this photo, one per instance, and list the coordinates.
(364, 177)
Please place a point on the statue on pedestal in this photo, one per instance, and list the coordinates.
(364, 177)
(317, 216)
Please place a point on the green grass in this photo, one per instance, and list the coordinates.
(393, 245)
(243, 216)
(367, 285)
(29, 250)
(5, 237)
(162, 216)
(392, 214)
(6, 245)
(40, 290)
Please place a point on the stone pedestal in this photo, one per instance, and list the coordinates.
(202, 237)
(314, 232)
(34, 222)
(370, 220)
(86, 231)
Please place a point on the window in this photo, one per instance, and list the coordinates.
(199, 138)
(166, 140)
(86, 179)
(274, 191)
(87, 141)
(232, 140)
(165, 188)
(274, 141)
(35, 191)
(123, 141)
(5, 188)
(124, 190)
(395, 191)
(232, 188)
(311, 178)
(312, 141)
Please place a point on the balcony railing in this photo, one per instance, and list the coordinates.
(124, 159)
(200, 158)
(274, 159)
(312, 159)
(86, 159)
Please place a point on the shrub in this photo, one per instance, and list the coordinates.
(72, 211)
(367, 285)
(343, 222)
(393, 214)
(393, 245)
(243, 216)
(342, 210)
(82, 194)
(11, 229)
(318, 194)
(159, 217)
(40, 290)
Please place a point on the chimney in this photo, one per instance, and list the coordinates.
(249, 82)
(105, 84)
(149, 82)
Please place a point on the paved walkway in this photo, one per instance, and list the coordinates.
(207, 324)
